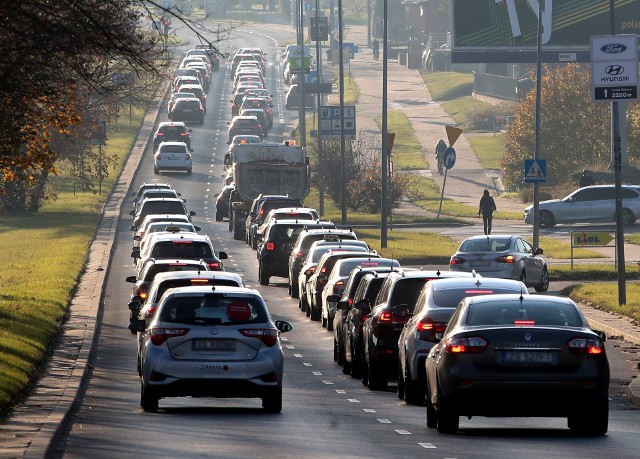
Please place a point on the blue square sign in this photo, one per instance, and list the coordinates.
(535, 170)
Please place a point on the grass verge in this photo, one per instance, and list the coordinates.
(604, 296)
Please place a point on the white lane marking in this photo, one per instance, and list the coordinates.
(384, 421)
(297, 355)
(368, 410)
(403, 432)
(307, 364)
(341, 391)
(428, 445)
(353, 400)
(284, 339)
(317, 373)
(328, 383)
(290, 347)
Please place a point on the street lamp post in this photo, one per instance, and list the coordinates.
(384, 198)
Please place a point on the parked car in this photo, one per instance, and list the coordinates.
(590, 204)
(425, 326)
(178, 342)
(533, 353)
(504, 256)
(187, 109)
(171, 131)
(173, 156)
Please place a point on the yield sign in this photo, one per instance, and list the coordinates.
(452, 134)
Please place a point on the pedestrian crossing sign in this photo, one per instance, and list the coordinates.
(535, 170)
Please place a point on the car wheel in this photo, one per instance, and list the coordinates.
(148, 400)
(546, 219)
(596, 423)
(218, 217)
(400, 391)
(413, 392)
(365, 372)
(314, 313)
(432, 415)
(627, 217)
(377, 379)
(264, 279)
(272, 403)
(356, 365)
(235, 231)
(294, 290)
(323, 321)
(156, 171)
(346, 366)
(335, 350)
(189, 171)
(230, 222)
(544, 282)
(254, 243)
(329, 324)
(523, 277)
(448, 421)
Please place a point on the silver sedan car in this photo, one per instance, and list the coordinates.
(211, 342)
(503, 256)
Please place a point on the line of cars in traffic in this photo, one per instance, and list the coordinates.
(468, 341)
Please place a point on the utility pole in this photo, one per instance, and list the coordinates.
(301, 76)
(384, 199)
(343, 172)
(319, 104)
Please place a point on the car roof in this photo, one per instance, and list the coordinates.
(201, 274)
(172, 123)
(224, 289)
(168, 261)
(493, 237)
(512, 297)
(195, 237)
(244, 117)
(478, 281)
(177, 217)
(173, 143)
(410, 273)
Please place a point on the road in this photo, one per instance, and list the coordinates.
(326, 414)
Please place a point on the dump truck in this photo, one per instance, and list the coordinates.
(264, 169)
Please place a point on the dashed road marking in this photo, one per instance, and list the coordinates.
(427, 445)
(353, 400)
(317, 373)
(384, 421)
(297, 355)
(368, 410)
(290, 347)
(341, 391)
(307, 364)
(328, 383)
(403, 432)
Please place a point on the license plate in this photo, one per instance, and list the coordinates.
(480, 263)
(187, 110)
(527, 357)
(214, 345)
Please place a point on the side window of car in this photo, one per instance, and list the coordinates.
(526, 247)
(604, 194)
(628, 193)
(421, 301)
(384, 291)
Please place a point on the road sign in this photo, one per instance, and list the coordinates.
(299, 64)
(614, 68)
(319, 28)
(452, 134)
(330, 120)
(535, 170)
(591, 238)
(449, 158)
(322, 88)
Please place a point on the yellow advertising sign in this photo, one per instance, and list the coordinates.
(591, 238)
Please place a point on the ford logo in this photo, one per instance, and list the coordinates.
(613, 48)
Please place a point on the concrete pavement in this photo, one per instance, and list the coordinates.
(49, 407)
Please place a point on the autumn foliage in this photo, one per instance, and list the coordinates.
(575, 131)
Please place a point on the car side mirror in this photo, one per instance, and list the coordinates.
(131, 279)
(228, 123)
(137, 237)
(131, 212)
(343, 305)
(138, 326)
(190, 150)
(363, 305)
(334, 298)
(189, 130)
(602, 335)
(539, 251)
(135, 254)
(283, 326)
(135, 306)
(132, 228)
(192, 213)
(197, 228)
(223, 255)
(401, 310)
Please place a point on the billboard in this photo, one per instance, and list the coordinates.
(487, 31)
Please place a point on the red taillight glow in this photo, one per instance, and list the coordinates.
(385, 317)
(150, 312)
(143, 291)
(160, 134)
(472, 345)
(270, 246)
(299, 254)
(456, 261)
(181, 242)
(429, 325)
(586, 346)
(184, 134)
(268, 336)
(214, 266)
(199, 281)
(478, 292)
(160, 335)
(506, 259)
(524, 323)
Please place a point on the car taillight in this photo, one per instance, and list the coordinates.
(188, 155)
(158, 156)
(471, 345)
(299, 254)
(159, 134)
(337, 286)
(160, 335)
(385, 317)
(524, 323)
(214, 266)
(506, 259)
(586, 346)
(268, 336)
(456, 261)
(184, 134)
(270, 246)
(150, 312)
(430, 325)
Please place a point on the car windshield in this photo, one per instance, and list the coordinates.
(172, 130)
(406, 291)
(181, 249)
(175, 283)
(177, 148)
(212, 310)
(163, 207)
(169, 267)
(485, 245)
(449, 298)
(530, 312)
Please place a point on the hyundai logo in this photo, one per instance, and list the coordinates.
(614, 70)
(613, 48)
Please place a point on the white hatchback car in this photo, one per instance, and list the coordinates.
(205, 342)
(172, 156)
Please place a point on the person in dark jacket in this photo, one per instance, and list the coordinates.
(487, 208)
(585, 179)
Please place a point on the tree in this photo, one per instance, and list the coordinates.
(575, 131)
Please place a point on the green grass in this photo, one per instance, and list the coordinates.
(43, 256)
(448, 85)
(461, 109)
(406, 153)
(413, 248)
(351, 91)
(488, 148)
(604, 296)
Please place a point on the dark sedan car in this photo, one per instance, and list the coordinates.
(169, 131)
(519, 355)
(245, 125)
(188, 109)
(222, 202)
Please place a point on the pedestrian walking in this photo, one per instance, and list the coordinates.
(487, 208)
(376, 49)
(585, 179)
(440, 149)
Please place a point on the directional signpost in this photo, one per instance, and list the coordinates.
(614, 68)
(449, 157)
(330, 120)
